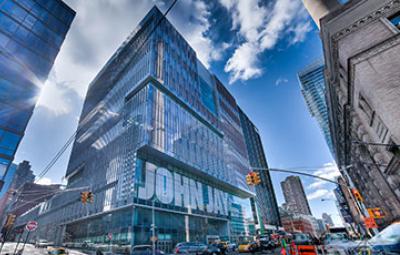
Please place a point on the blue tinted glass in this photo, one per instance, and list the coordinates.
(396, 20)
(207, 96)
(13, 118)
(30, 21)
(3, 40)
(14, 10)
(7, 24)
(8, 142)
(26, 3)
(3, 166)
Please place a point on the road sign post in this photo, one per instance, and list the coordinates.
(30, 227)
(20, 232)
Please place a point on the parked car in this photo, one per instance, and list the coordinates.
(266, 242)
(190, 248)
(145, 250)
(42, 243)
(214, 249)
(302, 239)
(57, 251)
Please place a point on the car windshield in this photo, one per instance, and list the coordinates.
(141, 248)
(336, 237)
(390, 235)
(300, 237)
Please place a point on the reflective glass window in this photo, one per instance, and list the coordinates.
(3, 39)
(8, 142)
(26, 3)
(395, 19)
(13, 117)
(14, 10)
(3, 166)
(7, 24)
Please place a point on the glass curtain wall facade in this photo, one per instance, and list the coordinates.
(312, 83)
(152, 139)
(265, 194)
(31, 34)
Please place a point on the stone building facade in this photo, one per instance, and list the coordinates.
(361, 44)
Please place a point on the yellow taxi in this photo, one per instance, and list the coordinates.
(247, 247)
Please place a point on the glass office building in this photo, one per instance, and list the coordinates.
(158, 136)
(312, 84)
(31, 33)
(265, 198)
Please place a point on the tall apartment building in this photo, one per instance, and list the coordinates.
(31, 34)
(265, 194)
(327, 219)
(361, 46)
(159, 134)
(295, 197)
(16, 177)
(312, 83)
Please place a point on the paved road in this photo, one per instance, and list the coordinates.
(31, 250)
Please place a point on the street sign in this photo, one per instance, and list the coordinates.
(31, 225)
(153, 239)
(370, 223)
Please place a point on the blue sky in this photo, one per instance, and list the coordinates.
(255, 47)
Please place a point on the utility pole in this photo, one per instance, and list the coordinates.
(153, 229)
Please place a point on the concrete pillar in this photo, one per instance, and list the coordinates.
(319, 8)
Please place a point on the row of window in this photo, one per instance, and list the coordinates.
(374, 120)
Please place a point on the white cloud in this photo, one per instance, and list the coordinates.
(300, 31)
(54, 96)
(261, 30)
(280, 81)
(320, 193)
(45, 181)
(318, 187)
(243, 64)
(193, 25)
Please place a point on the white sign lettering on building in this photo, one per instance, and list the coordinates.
(173, 188)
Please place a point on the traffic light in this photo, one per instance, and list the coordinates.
(91, 197)
(249, 179)
(357, 194)
(253, 178)
(376, 213)
(256, 178)
(10, 220)
(84, 197)
(87, 197)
